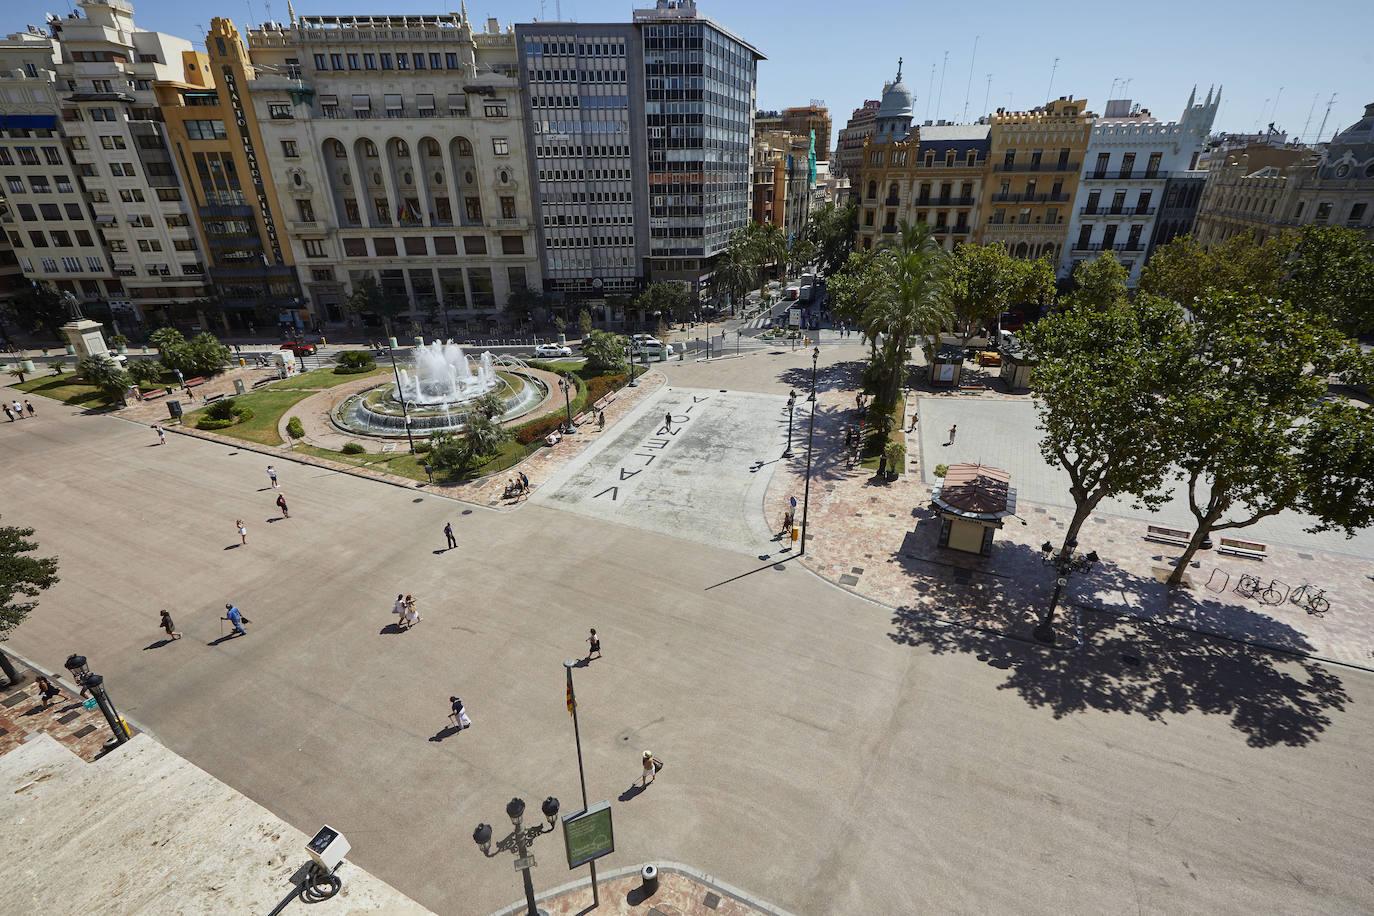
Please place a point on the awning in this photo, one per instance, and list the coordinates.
(392, 101)
(976, 491)
(362, 102)
(457, 101)
(329, 100)
(425, 100)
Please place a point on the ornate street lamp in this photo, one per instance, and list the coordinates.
(405, 411)
(563, 384)
(791, 405)
(1064, 562)
(93, 683)
(523, 836)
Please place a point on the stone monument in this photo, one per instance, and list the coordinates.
(84, 336)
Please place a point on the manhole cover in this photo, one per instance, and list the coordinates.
(467, 511)
(780, 567)
(711, 900)
(1040, 509)
(83, 732)
(857, 570)
(1304, 556)
(849, 580)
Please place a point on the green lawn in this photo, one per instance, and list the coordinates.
(268, 406)
(400, 463)
(874, 442)
(323, 378)
(63, 388)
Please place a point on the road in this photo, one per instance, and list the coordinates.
(823, 753)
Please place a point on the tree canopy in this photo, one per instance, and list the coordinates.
(985, 281)
(831, 230)
(40, 306)
(21, 577)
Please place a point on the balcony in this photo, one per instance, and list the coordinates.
(1030, 198)
(304, 225)
(889, 230)
(1119, 175)
(1117, 211)
(1055, 166)
(893, 201)
(1098, 246)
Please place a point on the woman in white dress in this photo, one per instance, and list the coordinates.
(412, 614)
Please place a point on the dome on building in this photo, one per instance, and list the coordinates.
(897, 98)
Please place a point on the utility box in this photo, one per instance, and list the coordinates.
(239, 387)
(174, 409)
(327, 848)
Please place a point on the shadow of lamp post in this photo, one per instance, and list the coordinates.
(1064, 562)
(405, 410)
(522, 837)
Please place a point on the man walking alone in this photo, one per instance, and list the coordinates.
(448, 533)
(235, 616)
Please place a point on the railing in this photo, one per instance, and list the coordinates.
(1098, 246)
(1029, 198)
(1055, 166)
(893, 201)
(358, 114)
(1119, 175)
(1117, 211)
(888, 230)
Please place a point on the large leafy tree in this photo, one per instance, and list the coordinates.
(1331, 272)
(1183, 271)
(1102, 376)
(985, 281)
(1251, 419)
(851, 288)
(202, 355)
(106, 375)
(371, 297)
(831, 230)
(732, 277)
(40, 306)
(605, 351)
(1098, 283)
(670, 300)
(21, 577)
(769, 246)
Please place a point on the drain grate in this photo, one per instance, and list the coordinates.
(69, 717)
(711, 900)
(849, 580)
(83, 732)
(1304, 556)
(15, 699)
(857, 570)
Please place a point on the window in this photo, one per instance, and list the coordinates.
(95, 265)
(458, 106)
(474, 244)
(402, 62)
(1127, 164)
(49, 264)
(40, 185)
(73, 211)
(16, 184)
(168, 194)
(49, 211)
(125, 169)
(386, 65)
(336, 61)
(51, 154)
(7, 159)
(355, 248)
(278, 111)
(323, 274)
(110, 142)
(293, 68)
(473, 207)
(434, 62)
(98, 196)
(86, 170)
(416, 246)
(184, 244)
(83, 238)
(38, 239)
(394, 108)
(1323, 214)
(1100, 171)
(1152, 167)
(499, 146)
(494, 108)
(508, 208)
(306, 210)
(386, 247)
(205, 130)
(451, 61)
(513, 244)
(419, 60)
(288, 149)
(314, 248)
(353, 62)
(424, 104)
(972, 158)
(149, 245)
(369, 62)
(131, 195)
(177, 221)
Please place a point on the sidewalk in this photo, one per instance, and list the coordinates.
(682, 891)
(879, 539)
(22, 718)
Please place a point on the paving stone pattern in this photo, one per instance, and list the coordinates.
(80, 730)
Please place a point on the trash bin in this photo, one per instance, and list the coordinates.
(239, 387)
(174, 409)
(649, 875)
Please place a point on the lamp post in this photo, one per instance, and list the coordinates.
(405, 411)
(523, 836)
(630, 350)
(88, 680)
(569, 664)
(810, 437)
(567, 402)
(791, 405)
(1064, 562)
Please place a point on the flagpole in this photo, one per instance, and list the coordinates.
(569, 664)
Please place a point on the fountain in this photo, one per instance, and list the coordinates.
(439, 388)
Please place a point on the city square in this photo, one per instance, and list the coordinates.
(822, 750)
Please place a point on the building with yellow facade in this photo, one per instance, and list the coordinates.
(1036, 158)
(218, 145)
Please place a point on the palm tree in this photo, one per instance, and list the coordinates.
(733, 277)
(914, 302)
(770, 247)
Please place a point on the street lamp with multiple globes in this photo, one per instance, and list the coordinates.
(791, 405)
(810, 437)
(523, 836)
(563, 384)
(88, 680)
(1065, 562)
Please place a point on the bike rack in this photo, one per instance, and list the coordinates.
(1226, 580)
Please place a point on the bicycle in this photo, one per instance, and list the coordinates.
(1249, 587)
(1313, 597)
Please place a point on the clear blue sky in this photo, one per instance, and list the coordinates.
(842, 53)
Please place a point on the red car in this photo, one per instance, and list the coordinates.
(299, 347)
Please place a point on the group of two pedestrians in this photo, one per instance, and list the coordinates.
(14, 411)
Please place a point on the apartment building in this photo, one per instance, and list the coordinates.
(642, 139)
(1130, 157)
(800, 121)
(782, 187)
(1267, 189)
(849, 140)
(1036, 159)
(119, 150)
(397, 147)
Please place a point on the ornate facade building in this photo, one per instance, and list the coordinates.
(1036, 160)
(849, 141)
(1266, 189)
(1129, 160)
(782, 186)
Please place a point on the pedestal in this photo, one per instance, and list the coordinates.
(85, 338)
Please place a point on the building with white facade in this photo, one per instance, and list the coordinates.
(1129, 159)
(397, 148)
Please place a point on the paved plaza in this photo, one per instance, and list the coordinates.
(832, 745)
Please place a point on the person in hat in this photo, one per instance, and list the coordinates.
(649, 769)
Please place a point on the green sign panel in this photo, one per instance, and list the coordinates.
(588, 835)
(90, 704)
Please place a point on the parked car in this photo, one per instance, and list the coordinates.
(651, 347)
(550, 349)
(299, 347)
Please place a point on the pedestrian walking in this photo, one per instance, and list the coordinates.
(459, 715)
(448, 533)
(9, 413)
(882, 465)
(168, 626)
(649, 767)
(243, 531)
(786, 521)
(912, 427)
(161, 436)
(412, 612)
(594, 645)
(28, 405)
(953, 430)
(235, 616)
(281, 504)
(668, 422)
(46, 690)
(601, 419)
(399, 609)
(19, 411)
(272, 476)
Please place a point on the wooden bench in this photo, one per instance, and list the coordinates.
(154, 394)
(213, 397)
(577, 420)
(605, 399)
(554, 438)
(1175, 536)
(264, 381)
(193, 382)
(1248, 549)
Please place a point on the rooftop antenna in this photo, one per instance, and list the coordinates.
(987, 95)
(1049, 93)
(968, 88)
(1112, 91)
(941, 97)
(1311, 108)
(1127, 90)
(930, 93)
(1321, 130)
(1274, 112)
